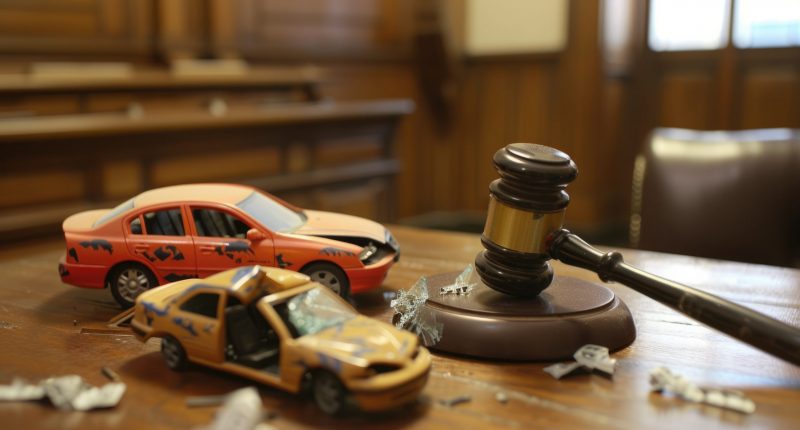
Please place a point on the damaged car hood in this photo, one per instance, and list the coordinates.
(362, 339)
(328, 224)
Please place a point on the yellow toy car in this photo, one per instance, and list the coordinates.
(277, 327)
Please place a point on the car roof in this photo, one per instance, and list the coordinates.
(212, 193)
(250, 282)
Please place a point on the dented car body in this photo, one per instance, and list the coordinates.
(279, 328)
(190, 231)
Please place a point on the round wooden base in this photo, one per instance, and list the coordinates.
(568, 314)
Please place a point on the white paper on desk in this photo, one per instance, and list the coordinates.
(65, 392)
(242, 410)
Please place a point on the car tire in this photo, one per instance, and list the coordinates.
(174, 354)
(129, 280)
(330, 276)
(328, 392)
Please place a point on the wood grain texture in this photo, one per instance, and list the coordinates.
(50, 329)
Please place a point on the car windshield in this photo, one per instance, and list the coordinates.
(271, 214)
(315, 310)
(119, 210)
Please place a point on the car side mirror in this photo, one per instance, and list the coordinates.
(255, 235)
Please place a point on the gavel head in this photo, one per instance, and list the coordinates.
(526, 204)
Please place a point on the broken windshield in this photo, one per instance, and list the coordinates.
(315, 310)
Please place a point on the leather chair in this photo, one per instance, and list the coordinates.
(726, 195)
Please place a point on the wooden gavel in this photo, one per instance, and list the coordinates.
(524, 230)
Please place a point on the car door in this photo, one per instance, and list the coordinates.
(197, 324)
(159, 236)
(220, 238)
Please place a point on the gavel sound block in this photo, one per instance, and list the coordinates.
(521, 311)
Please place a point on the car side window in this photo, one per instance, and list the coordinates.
(216, 223)
(203, 304)
(136, 226)
(167, 222)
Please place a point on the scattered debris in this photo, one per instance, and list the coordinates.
(501, 397)
(464, 283)
(662, 379)
(110, 374)
(457, 400)
(589, 357)
(203, 401)
(241, 410)
(65, 392)
(8, 325)
(414, 316)
(122, 319)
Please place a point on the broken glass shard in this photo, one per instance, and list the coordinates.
(588, 356)
(414, 316)
(464, 283)
(662, 379)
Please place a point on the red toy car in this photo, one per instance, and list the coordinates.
(190, 231)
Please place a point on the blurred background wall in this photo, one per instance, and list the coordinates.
(100, 99)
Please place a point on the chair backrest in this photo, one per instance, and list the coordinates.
(727, 195)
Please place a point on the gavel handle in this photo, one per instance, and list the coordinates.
(759, 330)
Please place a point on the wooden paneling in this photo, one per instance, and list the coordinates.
(770, 97)
(324, 28)
(686, 99)
(76, 26)
(20, 189)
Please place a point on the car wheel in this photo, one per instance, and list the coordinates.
(329, 393)
(330, 276)
(127, 281)
(173, 352)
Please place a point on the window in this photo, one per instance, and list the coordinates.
(203, 304)
(766, 23)
(168, 222)
(271, 214)
(136, 225)
(680, 25)
(113, 213)
(215, 223)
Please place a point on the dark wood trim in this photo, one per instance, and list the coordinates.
(97, 125)
(330, 176)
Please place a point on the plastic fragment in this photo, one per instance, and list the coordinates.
(662, 379)
(463, 284)
(65, 392)
(241, 410)
(413, 316)
(110, 374)
(590, 357)
(457, 400)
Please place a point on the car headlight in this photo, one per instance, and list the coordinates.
(367, 252)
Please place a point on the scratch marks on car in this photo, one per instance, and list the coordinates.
(151, 309)
(98, 244)
(74, 254)
(185, 324)
(231, 249)
(330, 363)
(332, 251)
(281, 263)
(175, 277)
(244, 274)
(167, 252)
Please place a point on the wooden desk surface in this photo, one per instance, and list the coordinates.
(47, 329)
